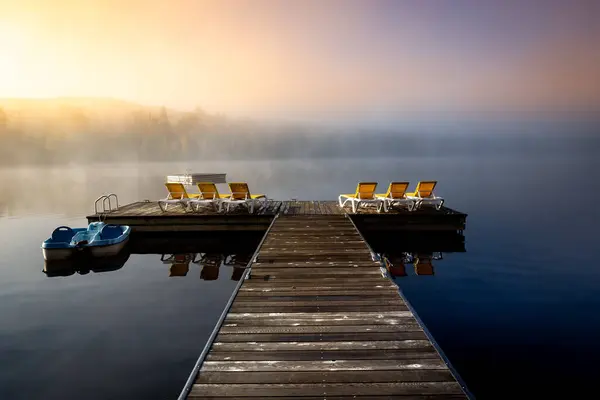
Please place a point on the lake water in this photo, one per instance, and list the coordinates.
(517, 312)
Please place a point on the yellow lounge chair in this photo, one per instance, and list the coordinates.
(424, 194)
(365, 194)
(396, 193)
(210, 195)
(240, 195)
(177, 195)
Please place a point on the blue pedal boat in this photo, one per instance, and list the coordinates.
(99, 239)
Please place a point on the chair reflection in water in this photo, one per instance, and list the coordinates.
(211, 263)
(422, 263)
(239, 263)
(395, 265)
(180, 263)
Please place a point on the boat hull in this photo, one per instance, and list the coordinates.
(94, 251)
(108, 250)
(83, 263)
(60, 254)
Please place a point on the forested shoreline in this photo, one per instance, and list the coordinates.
(114, 131)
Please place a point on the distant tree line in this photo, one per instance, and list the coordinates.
(76, 134)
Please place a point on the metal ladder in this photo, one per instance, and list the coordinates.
(104, 199)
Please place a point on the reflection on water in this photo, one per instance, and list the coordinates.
(423, 265)
(208, 252)
(425, 249)
(416, 251)
(422, 262)
(84, 264)
(179, 263)
(209, 264)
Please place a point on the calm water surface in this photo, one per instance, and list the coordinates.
(517, 312)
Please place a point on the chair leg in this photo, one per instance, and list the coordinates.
(439, 206)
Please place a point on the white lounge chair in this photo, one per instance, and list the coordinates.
(240, 195)
(365, 194)
(423, 194)
(210, 195)
(396, 194)
(177, 196)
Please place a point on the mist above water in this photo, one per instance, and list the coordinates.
(84, 131)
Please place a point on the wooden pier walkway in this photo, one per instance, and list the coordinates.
(316, 319)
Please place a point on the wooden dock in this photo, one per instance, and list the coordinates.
(316, 319)
(147, 216)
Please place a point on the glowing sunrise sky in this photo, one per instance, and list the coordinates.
(303, 58)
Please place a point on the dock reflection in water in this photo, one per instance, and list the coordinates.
(403, 254)
(179, 265)
(178, 253)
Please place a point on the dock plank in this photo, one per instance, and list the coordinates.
(429, 375)
(316, 318)
(319, 321)
(308, 355)
(336, 389)
(324, 345)
(324, 365)
(331, 288)
(324, 293)
(325, 328)
(315, 337)
(370, 397)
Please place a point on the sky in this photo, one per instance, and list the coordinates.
(306, 59)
